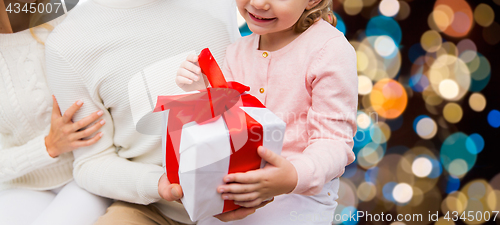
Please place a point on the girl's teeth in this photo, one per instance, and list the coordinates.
(260, 18)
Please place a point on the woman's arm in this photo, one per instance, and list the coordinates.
(20, 160)
(63, 136)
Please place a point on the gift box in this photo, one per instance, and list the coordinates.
(210, 133)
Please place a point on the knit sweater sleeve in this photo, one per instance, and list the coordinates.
(98, 168)
(20, 160)
(331, 118)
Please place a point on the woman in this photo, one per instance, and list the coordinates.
(36, 142)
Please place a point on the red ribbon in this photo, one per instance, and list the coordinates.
(223, 99)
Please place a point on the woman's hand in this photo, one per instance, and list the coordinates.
(254, 187)
(168, 191)
(66, 136)
(240, 213)
(189, 76)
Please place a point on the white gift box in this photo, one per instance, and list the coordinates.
(204, 157)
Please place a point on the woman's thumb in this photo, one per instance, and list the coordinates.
(176, 191)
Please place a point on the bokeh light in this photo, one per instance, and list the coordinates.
(380, 133)
(370, 155)
(385, 46)
(494, 118)
(421, 167)
(425, 127)
(480, 72)
(456, 201)
(402, 193)
(431, 41)
(389, 7)
(363, 120)
(467, 50)
(365, 85)
(353, 7)
(452, 112)
(388, 98)
(484, 15)
(442, 17)
(477, 102)
(381, 25)
(456, 159)
(448, 89)
(366, 191)
(404, 11)
(459, 23)
(475, 143)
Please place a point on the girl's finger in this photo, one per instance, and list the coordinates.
(249, 177)
(241, 197)
(183, 80)
(83, 143)
(192, 58)
(189, 66)
(89, 130)
(87, 120)
(236, 188)
(71, 111)
(183, 72)
(249, 204)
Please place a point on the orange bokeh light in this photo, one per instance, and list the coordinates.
(462, 19)
(388, 98)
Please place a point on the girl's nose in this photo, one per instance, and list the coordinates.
(260, 4)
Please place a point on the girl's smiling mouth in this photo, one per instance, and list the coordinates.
(261, 19)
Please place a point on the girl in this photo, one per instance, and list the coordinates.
(35, 140)
(304, 70)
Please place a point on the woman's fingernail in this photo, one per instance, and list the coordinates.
(79, 103)
(221, 190)
(100, 134)
(102, 122)
(175, 193)
(227, 179)
(100, 113)
(225, 197)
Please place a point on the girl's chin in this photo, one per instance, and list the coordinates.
(258, 30)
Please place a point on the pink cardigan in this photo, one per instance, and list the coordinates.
(312, 85)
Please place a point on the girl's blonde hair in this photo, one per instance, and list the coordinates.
(35, 19)
(322, 10)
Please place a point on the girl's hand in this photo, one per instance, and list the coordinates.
(254, 187)
(66, 136)
(189, 76)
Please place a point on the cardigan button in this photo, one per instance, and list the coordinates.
(261, 90)
(265, 54)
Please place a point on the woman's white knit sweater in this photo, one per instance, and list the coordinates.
(25, 111)
(99, 52)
